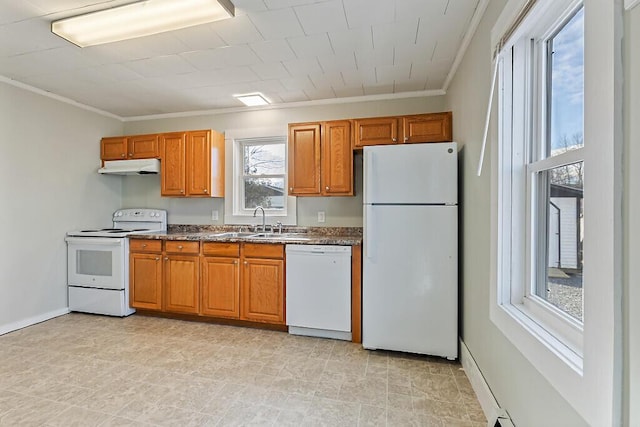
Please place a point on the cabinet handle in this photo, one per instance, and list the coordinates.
(235, 262)
(394, 139)
(180, 247)
(123, 155)
(246, 263)
(406, 139)
(157, 259)
(326, 188)
(290, 188)
(181, 191)
(166, 258)
(130, 154)
(144, 245)
(206, 191)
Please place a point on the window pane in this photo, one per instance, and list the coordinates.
(266, 192)
(566, 81)
(265, 159)
(562, 199)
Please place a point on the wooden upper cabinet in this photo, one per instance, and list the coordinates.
(304, 159)
(337, 159)
(205, 164)
(192, 164)
(435, 127)
(375, 131)
(430, 127)
(142, 147)
(129, 147)
(321, 159)
(198, 163)
(113, 148)
(173, 164)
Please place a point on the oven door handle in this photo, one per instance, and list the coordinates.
(104, 241)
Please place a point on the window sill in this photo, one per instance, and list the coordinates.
(516, 321)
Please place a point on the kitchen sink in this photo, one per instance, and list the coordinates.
(233, 234)
(281, 236)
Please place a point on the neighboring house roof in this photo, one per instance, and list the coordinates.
(566, 190)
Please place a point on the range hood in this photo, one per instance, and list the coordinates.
(131, 167)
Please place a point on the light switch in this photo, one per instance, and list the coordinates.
(214, 215)
(321, 216)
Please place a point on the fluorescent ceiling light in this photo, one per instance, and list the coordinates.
(139, 19)
(252, 99)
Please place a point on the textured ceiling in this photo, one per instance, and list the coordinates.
(290, 50)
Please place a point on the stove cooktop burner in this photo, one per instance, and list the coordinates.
(107, 232)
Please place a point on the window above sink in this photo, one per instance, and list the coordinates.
(256, 175)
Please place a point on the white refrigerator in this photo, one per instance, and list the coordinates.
(410, 262)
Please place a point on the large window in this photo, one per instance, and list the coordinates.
(263, 174)
(555, 264)
(256, 175)
(542, 81)
(556, 179)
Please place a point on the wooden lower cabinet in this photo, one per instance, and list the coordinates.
(263, 290)
(182, 283)
(145, 270)
(220, 287)
(178, 277)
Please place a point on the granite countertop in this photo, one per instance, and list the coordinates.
(342, 236)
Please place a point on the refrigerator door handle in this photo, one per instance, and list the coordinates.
(368, 220)
(368, 174)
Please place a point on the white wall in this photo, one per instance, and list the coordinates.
(48, 186)
(517, 385)
(631, 224)
(144, 191)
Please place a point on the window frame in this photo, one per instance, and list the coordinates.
(589, 379)
(234, 177)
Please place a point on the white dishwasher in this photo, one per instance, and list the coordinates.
(319, 291)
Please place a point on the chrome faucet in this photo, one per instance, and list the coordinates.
(264, 225)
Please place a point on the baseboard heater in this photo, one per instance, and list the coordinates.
(503, 419)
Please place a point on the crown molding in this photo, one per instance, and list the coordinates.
(51, 95)
(330, 101)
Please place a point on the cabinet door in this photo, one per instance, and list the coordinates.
(199, 163)
(376, 131)
(145, 278)
(172, 166)
(220, 285)
(181, 281)
(337, 159)
(435, 127)
(304, 159)
(114, 148)
(143, 147)
(263, 290)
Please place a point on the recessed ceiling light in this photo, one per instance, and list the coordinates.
(252, 99)
(138, 19)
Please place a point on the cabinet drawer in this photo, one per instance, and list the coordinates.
(139, 245)
(221, 249)
(263, 250)
(182, 247)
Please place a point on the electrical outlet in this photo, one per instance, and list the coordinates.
(321, 216)
(214, 215)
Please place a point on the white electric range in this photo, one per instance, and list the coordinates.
(98, 262)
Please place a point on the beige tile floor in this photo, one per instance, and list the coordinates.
(84, 370)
